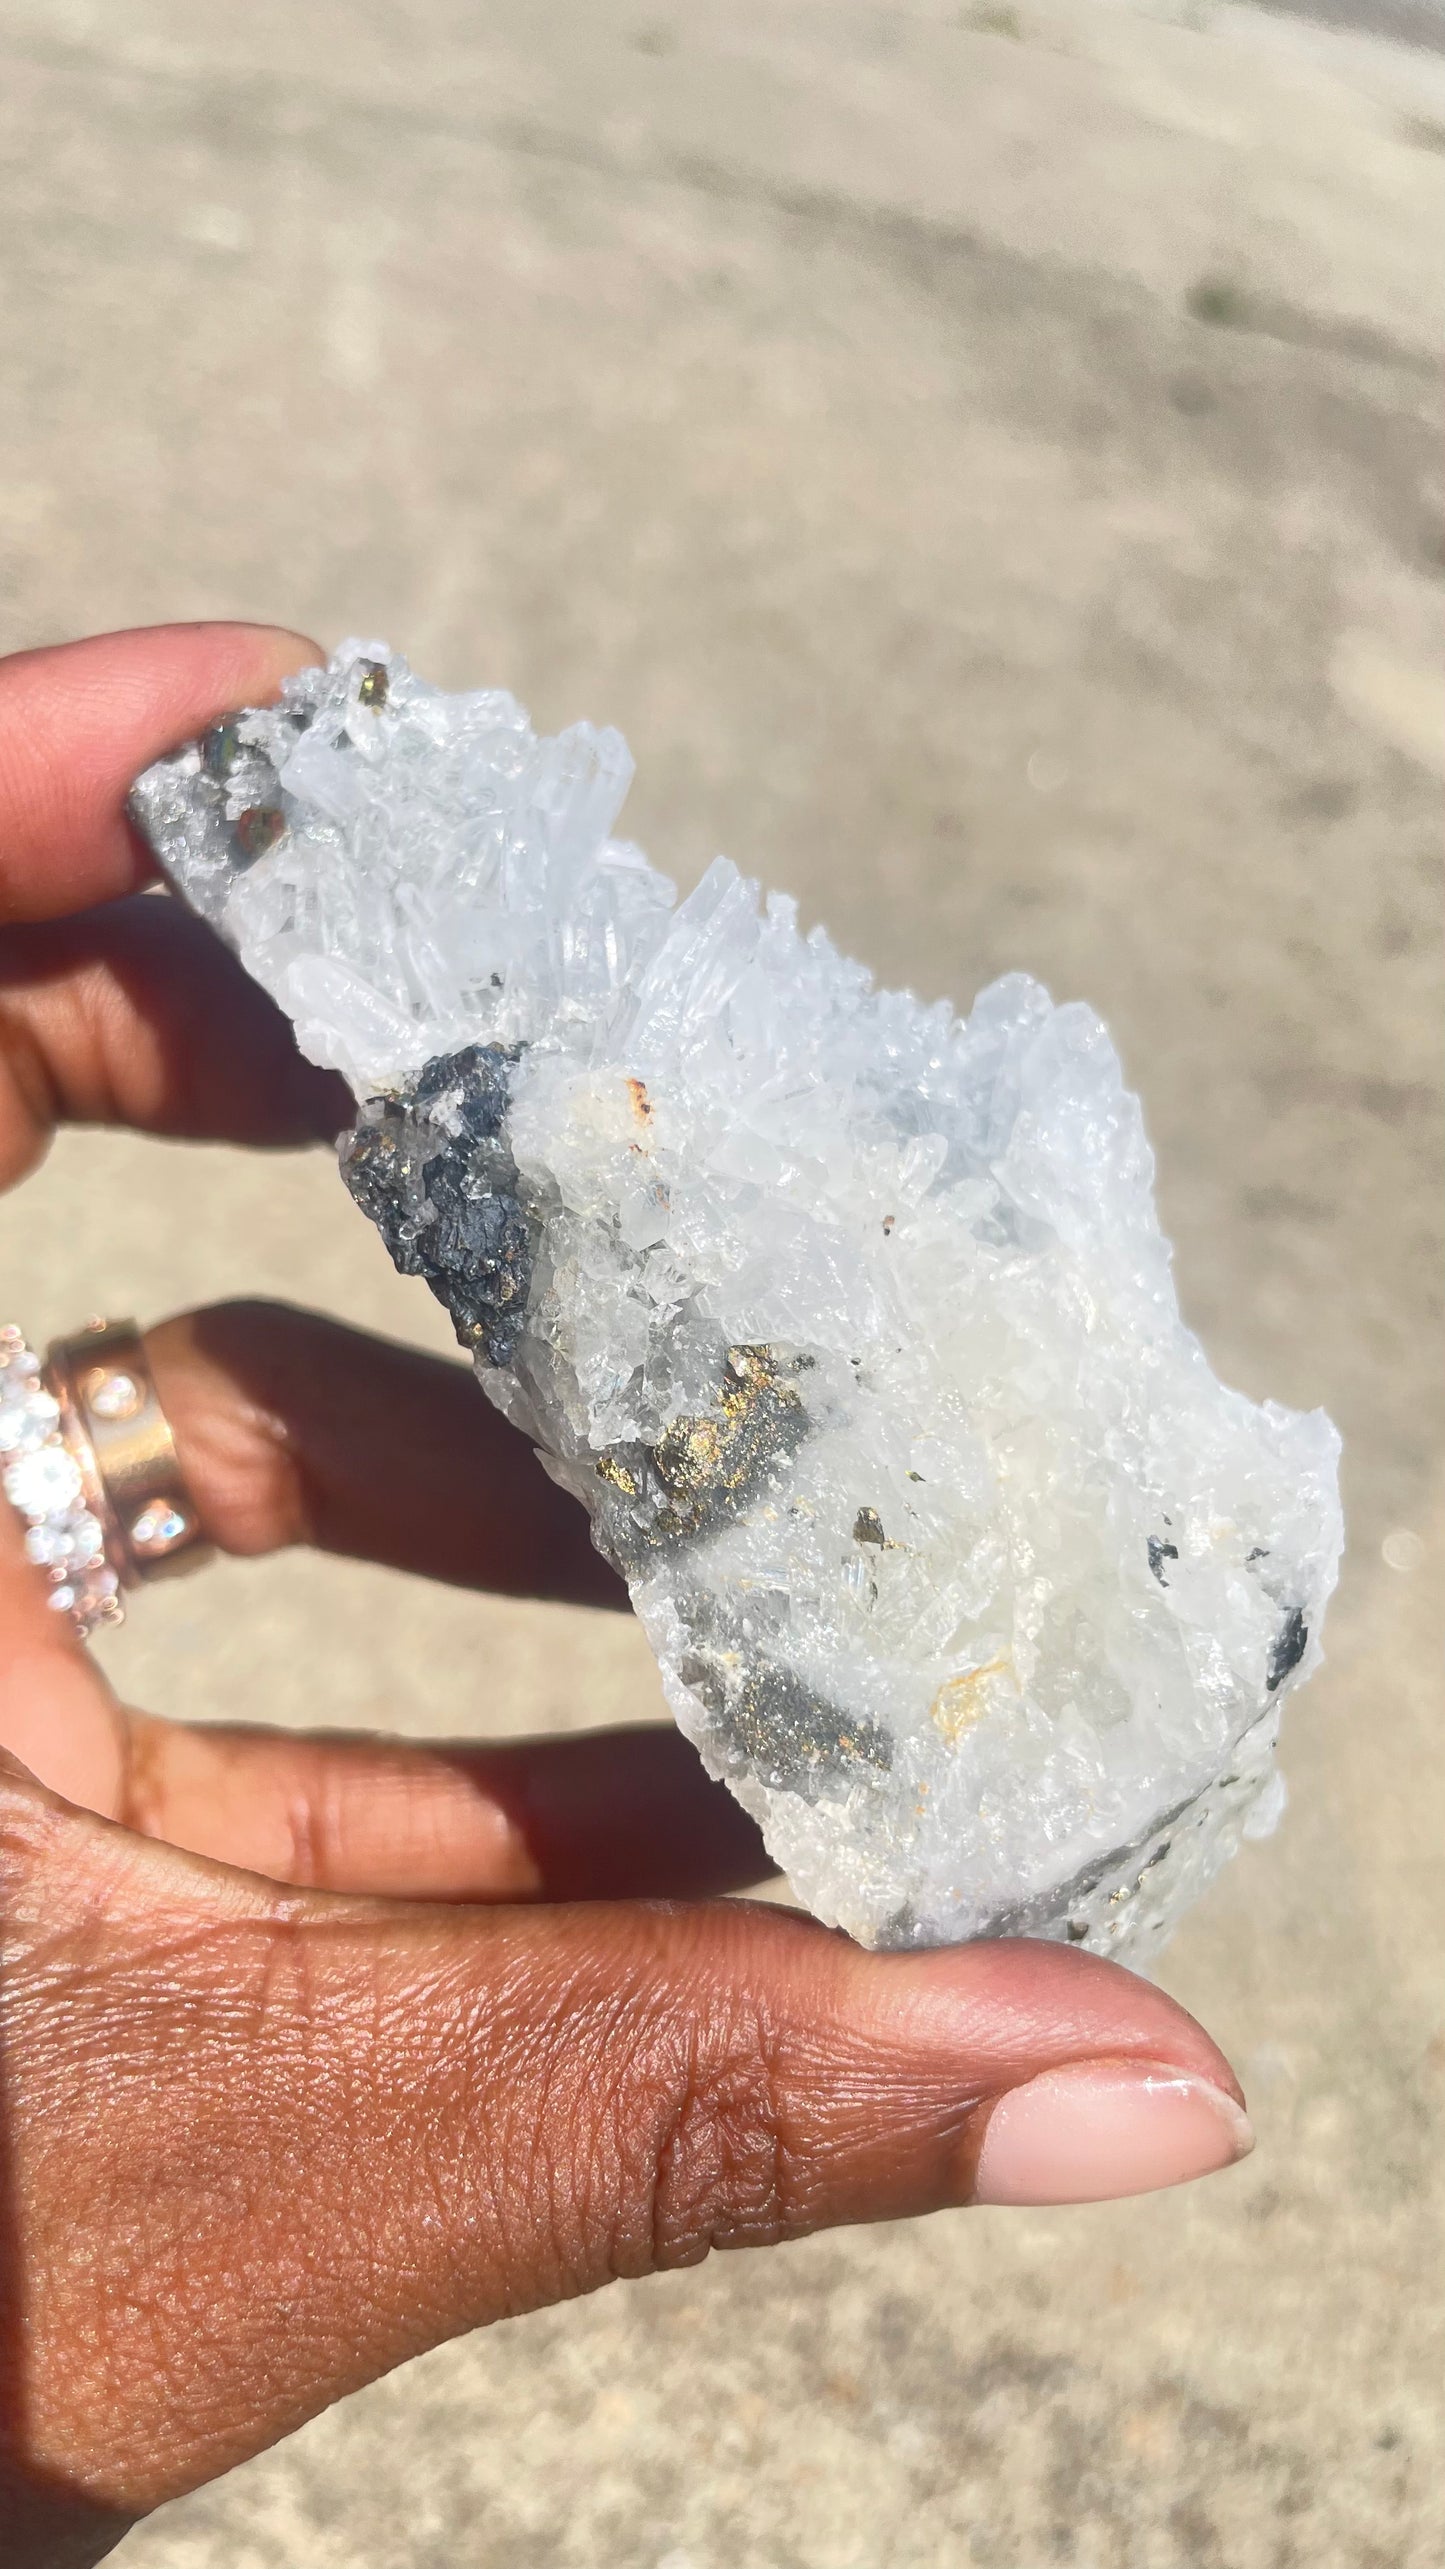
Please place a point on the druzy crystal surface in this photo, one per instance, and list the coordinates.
(848, 1320)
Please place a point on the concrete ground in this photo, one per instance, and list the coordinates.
(985, 458)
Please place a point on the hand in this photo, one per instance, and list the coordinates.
(314, 2052)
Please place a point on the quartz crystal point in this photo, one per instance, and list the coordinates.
(849, 1321)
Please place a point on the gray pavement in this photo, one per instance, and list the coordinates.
(986, 458)
(1407, 22)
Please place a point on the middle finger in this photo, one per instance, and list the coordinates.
(292, 1429)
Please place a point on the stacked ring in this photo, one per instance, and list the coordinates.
(90, 1463)
(44, 1481)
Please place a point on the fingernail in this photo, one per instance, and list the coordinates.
(1098, 2129)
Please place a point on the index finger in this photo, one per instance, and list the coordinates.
(79, 720)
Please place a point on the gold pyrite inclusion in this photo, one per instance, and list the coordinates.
(849, 1321)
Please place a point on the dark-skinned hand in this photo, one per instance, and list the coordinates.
(316, 2051)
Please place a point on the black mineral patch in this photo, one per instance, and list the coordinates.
(1291, 1642)
(1159, 1553)
(380, 1163)
(476, 1081)
(445, 1202)
(477, 1258)
(790, 1737)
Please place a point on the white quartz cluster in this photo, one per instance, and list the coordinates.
(849, 1321)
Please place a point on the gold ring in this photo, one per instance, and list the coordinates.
(88, 1460)
(113, 1424)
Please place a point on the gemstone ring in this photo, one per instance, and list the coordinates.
(90, 1463)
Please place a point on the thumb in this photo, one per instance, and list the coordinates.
(264, 2145)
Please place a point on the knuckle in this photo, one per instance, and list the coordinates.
(713, 2163)
(661, 2102)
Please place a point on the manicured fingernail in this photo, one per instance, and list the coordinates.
(1098, 2129)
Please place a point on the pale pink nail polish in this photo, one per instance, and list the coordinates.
(1097, 2129)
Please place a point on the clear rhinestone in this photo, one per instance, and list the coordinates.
(61, 1600)
(157, 1527)
(103, 1583)
(87, 1538)
(26, 1423)
(114, 1395)
(45, 1483)
(47, 1545)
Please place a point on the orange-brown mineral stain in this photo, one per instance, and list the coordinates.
(641, 1102)
(962, 1701)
